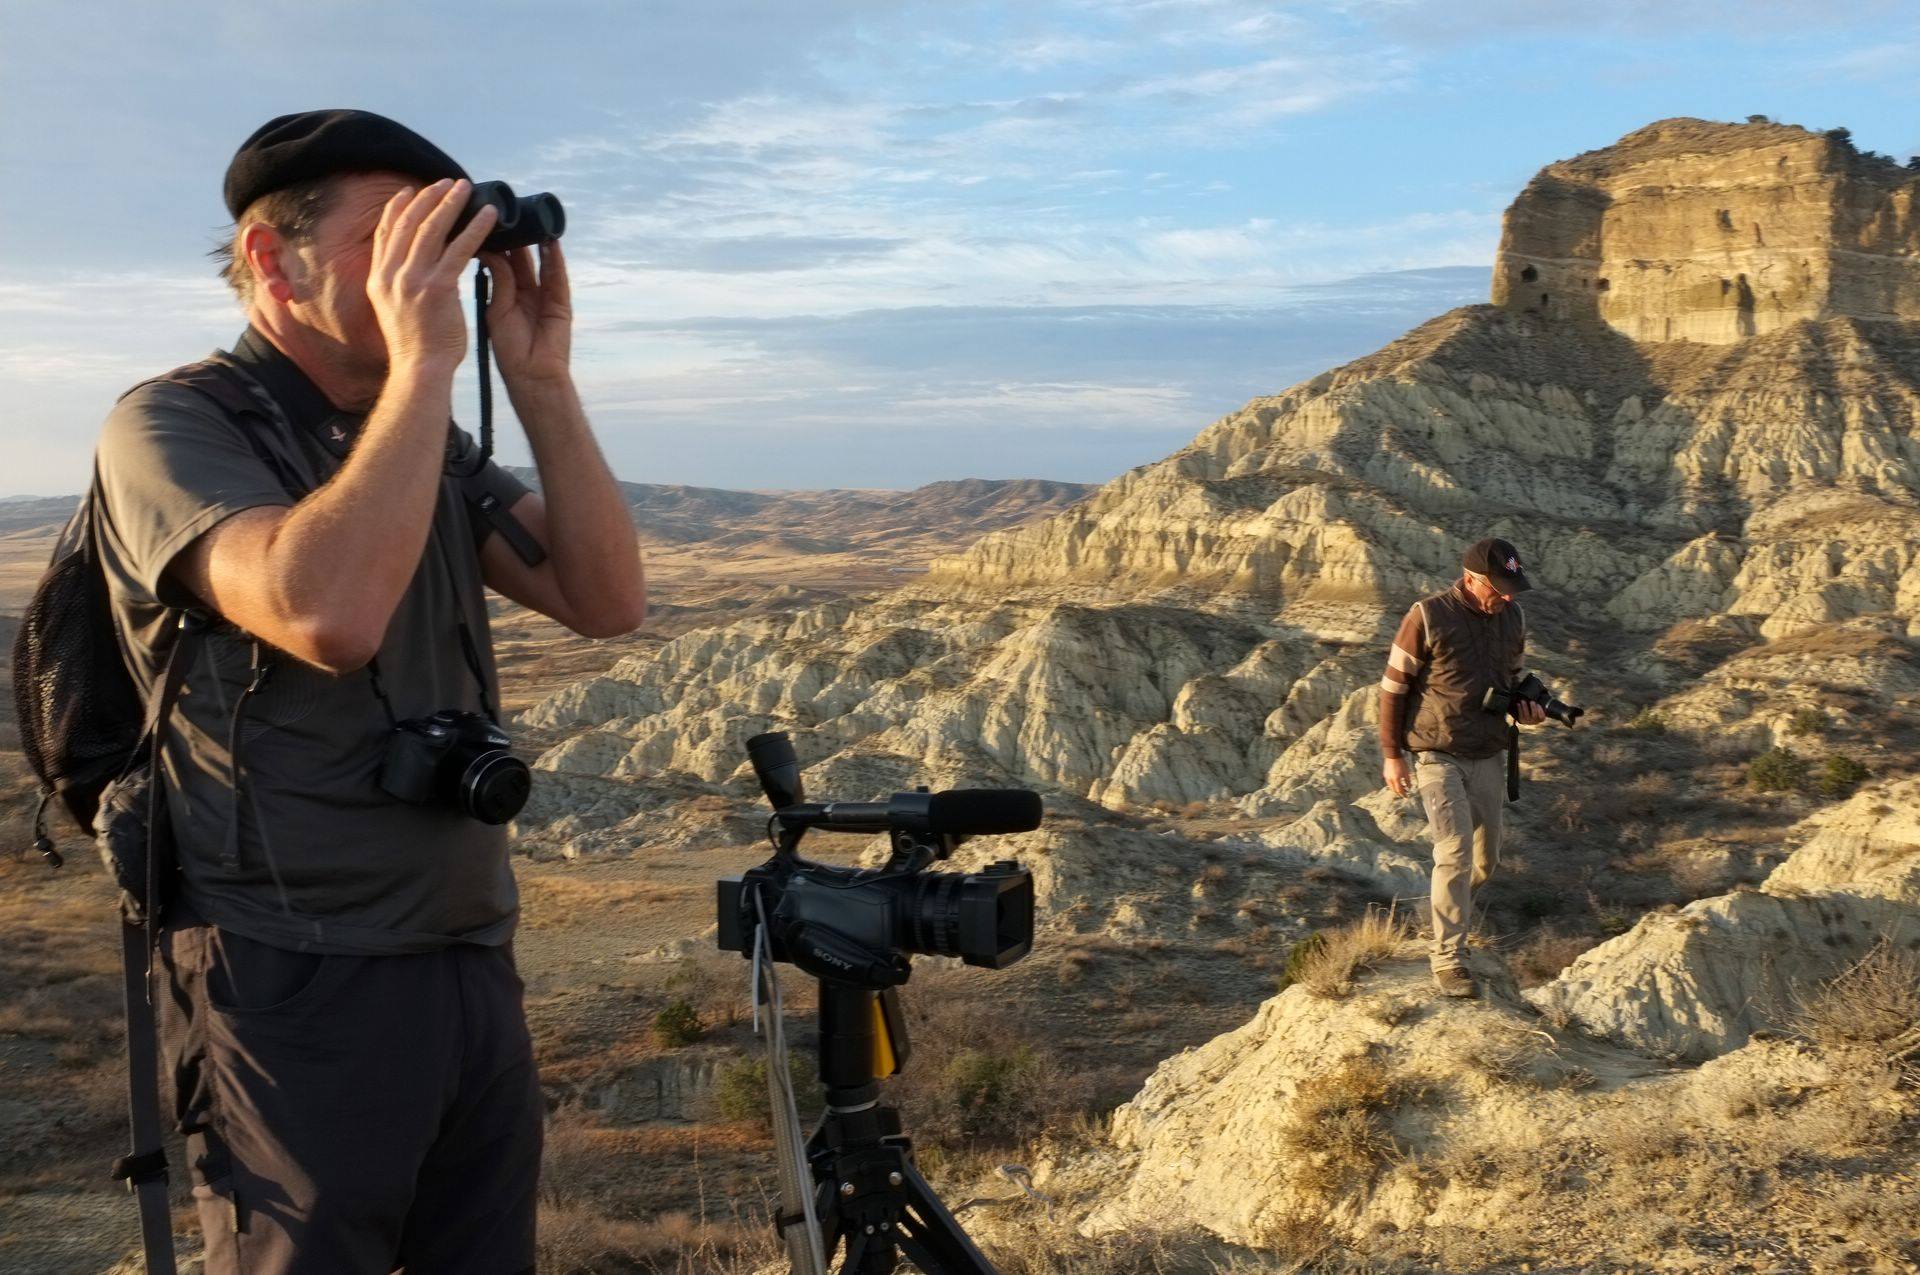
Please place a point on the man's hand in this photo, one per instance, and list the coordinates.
(1528, 713)
(1399, 775)
(414, 279)
(529, 319)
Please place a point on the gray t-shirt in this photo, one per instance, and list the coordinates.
(358, 871)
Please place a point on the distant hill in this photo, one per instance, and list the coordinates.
(838, 520)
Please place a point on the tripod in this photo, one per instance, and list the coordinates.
(867, 1190)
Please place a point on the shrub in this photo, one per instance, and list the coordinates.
(1299, 955)
(1806, 721)
(740, 1090)
(984, 1089)
(1874, 1001)
(1647, 721)
(1340, 1126)
(1326, 967)
(677, 1024)
(1777, 770)
(1839, 776)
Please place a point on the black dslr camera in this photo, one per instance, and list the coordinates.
(458, 759)
(858, 926)
(1532, 690)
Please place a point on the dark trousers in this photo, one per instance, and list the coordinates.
(353, 1115)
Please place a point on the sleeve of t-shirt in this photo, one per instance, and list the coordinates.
(171, 466)
(492, 480)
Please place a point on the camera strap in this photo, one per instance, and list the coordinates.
(469, 648)
(1513, 761)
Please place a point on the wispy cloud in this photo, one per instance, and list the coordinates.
(1069, 230)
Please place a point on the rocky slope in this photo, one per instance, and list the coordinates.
(1460, 1129)
(1700, 981)
(1723, 533)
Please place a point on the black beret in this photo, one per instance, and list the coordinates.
(309, 144)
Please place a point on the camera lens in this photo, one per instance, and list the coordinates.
(494, 786)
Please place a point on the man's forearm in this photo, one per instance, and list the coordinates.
(345, 554)
(1392, 708)
(590, 535)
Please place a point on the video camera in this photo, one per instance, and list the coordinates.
(854, 1181)
(859, 926)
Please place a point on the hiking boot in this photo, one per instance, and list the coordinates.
(1453, 981)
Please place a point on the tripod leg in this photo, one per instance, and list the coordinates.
(929, 1235)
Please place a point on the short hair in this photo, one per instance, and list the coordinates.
(295, 211)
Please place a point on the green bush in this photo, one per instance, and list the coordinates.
(678, 1024)
(1807, 721)
(1839, 776)
(1647, 721)
(740, 1090)
(1777, 770)
(992, 1094)
(1299, 957)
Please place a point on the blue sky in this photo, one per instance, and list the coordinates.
(876, 244)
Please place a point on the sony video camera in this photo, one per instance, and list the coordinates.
(858, 927)
(1533, 690)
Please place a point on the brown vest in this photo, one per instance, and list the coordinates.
(1468, 651)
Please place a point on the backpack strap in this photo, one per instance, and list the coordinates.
(144, 1167)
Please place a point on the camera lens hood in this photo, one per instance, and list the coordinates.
(494, 787)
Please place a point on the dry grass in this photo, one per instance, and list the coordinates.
(575, 1240)
(1541, 958)
(1875, 1002)
(1290, 1244)
(1327, 967)
(1340, 1125)
(586, 1218)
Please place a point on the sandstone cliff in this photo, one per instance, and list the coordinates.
(1691, 231)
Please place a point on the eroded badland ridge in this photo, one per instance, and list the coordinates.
(1692, 402)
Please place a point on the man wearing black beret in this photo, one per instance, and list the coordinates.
(342, 1017)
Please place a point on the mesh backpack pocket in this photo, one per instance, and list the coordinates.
(80, 715)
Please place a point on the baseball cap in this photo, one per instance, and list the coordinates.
(1499, 561)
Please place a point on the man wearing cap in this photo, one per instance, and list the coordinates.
(1451, 648)
(342, 1018)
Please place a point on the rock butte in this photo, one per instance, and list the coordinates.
(1690, 231)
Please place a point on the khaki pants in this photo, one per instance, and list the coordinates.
(1465, 801)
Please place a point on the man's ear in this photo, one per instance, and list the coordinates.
(271, 259)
